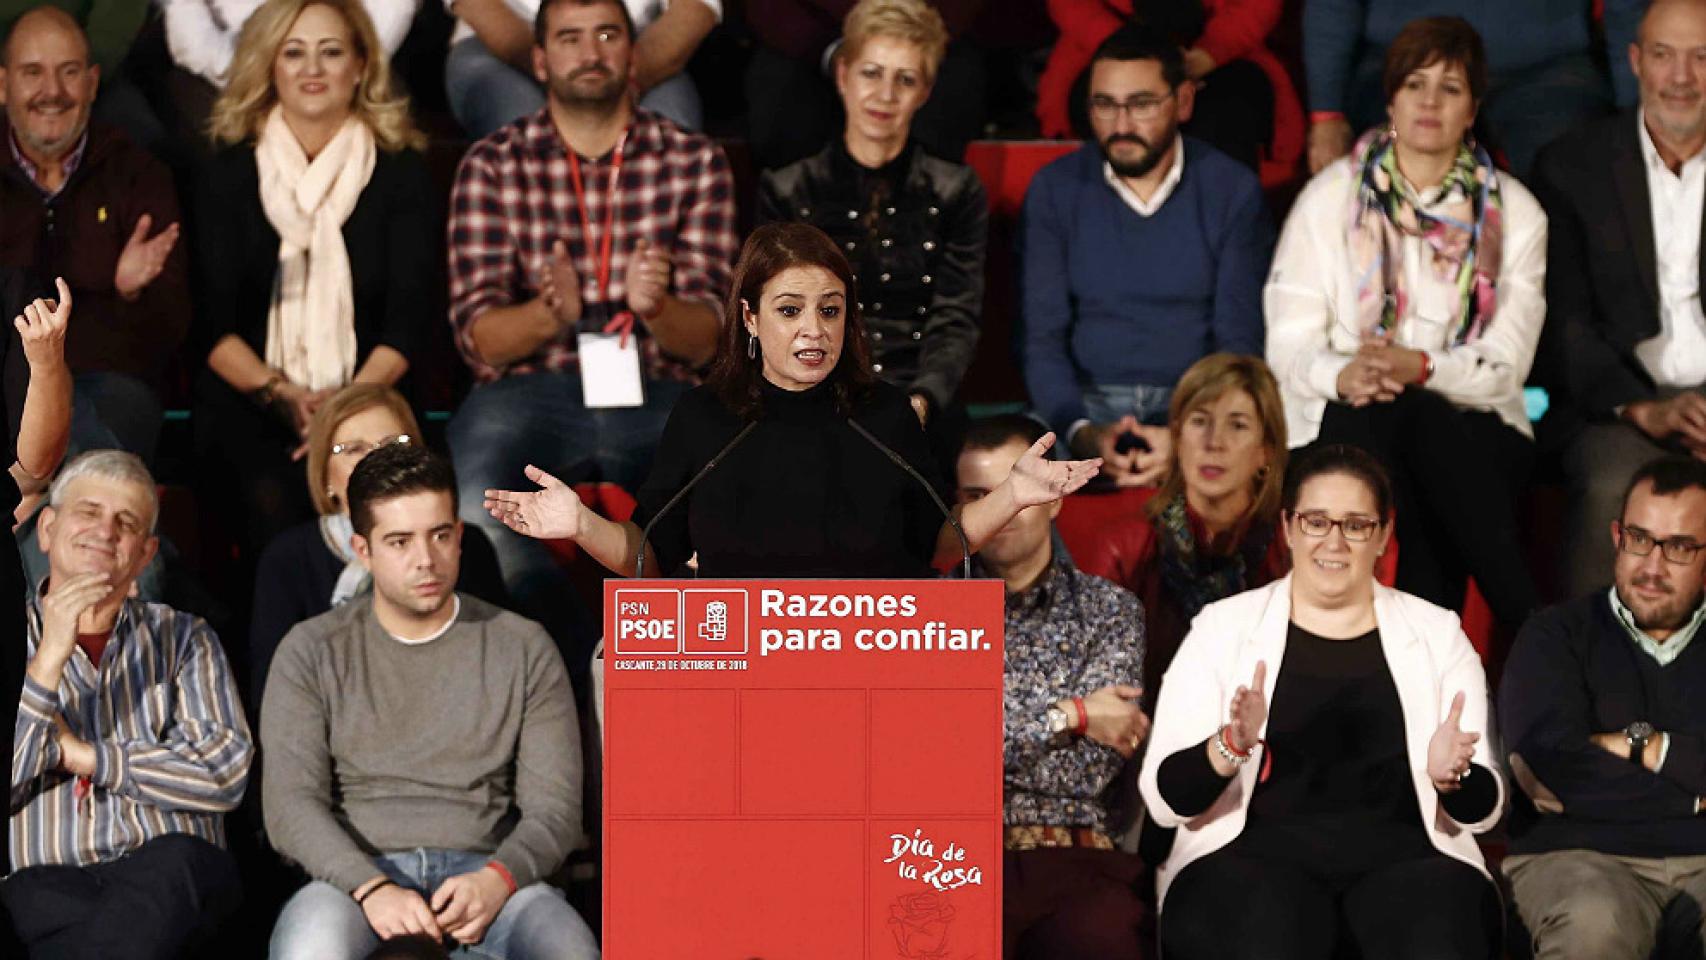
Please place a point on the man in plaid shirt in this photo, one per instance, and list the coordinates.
(581, 218)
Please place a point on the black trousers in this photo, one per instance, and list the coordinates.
(793, 110)
(1229, 906)
(1071, 903)
(155, 904)
(1456, 475)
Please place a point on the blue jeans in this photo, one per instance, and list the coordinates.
(538, 418)
(322, 922)
(1106, 403)
(486, 93)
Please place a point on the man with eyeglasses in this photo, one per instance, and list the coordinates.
(1605, 722)
(1143, 253)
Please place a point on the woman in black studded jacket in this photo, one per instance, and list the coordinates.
(913, 226)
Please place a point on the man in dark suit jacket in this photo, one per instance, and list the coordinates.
(1624, 352)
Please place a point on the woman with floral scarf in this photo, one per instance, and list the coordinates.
(1403, 310)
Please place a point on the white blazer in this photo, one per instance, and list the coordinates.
(1310, 306)
(1430, 659)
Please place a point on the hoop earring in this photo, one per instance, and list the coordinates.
(751, 347)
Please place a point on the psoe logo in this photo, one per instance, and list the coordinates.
(648, 621)
(714, 622)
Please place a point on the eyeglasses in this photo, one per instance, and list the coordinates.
(361, 448)
(1636, 542)
(1141, 107)
(1357, 529)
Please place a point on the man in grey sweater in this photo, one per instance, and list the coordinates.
(422, 756)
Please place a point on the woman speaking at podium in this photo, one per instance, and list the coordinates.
(793, 459)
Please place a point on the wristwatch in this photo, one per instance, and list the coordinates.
(1058, 723)
(1636, 735)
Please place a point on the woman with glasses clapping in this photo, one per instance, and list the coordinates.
(1321, 745)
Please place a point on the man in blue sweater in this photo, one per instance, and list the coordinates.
(1543, 76)
(1604, 705)
(1143, 253)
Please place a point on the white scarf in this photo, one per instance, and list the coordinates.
(311, 324)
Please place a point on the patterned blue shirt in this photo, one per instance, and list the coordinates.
(172, 749)
(1069, 635)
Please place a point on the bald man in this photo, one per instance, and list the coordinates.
(79, 199)
(1624, 349)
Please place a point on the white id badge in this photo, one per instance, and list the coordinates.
(610, 371)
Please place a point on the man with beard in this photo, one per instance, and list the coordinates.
(1604, 705)
(594, 227)
(422, 755)
(1143, 253)
(1624, 346)
(82, 201)
(1074, 659)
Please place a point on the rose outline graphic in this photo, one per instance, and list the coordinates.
(920, 924)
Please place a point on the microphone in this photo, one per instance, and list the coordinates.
(640, 554)
(900, 461)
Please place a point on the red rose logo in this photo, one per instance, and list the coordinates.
(920, 923)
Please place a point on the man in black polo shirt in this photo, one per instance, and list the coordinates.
(1604, 704)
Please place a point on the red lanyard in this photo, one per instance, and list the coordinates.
(624, 320)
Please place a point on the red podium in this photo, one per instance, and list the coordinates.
(802, 770)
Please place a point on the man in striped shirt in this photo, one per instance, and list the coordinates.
(130, 743)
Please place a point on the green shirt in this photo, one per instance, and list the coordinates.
(1667, 652)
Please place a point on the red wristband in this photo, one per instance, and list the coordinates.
(1323, 116)
(1427, 368)
(1083, 722)
(1226, 738)
(503, 871)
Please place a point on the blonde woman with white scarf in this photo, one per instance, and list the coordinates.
(317, 248)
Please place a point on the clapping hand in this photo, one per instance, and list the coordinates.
(553, 512)
(1036, 479)
(560, 287)
(1249, 710)
(143, 257)
(1451, 751)
(42, 328)
(648, 279)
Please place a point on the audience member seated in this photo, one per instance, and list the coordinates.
(797, 70)
(1543, 78)
(35, 403)
(117, 832)
(317, 247)
(1225, 54)
(1143, 253)
(1210, 530)
(588, 225)
(1067, 891)
(1601, 711)
(202, 37)
(914, 226)
(1371, 775)
(1625, 345)
(79, 199)
(312, 567)
(494, 73)
(422, 756)
(111, 30)
(1403, 312)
